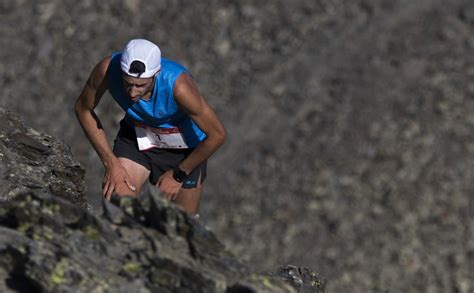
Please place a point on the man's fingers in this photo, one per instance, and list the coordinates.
(105, 188)
(130, 185)
(110, 191)
(165, 194)
(170, 196)
(105, 185)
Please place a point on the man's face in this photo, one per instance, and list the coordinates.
(137, 88)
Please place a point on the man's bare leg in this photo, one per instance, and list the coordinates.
(138, 174)
(189, 199)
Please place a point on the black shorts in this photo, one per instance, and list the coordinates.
(158, 161)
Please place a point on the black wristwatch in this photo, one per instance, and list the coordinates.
(179, 175)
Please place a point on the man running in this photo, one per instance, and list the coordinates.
(168, 132)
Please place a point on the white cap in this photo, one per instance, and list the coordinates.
(144, 51)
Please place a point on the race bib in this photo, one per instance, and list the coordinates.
(163, 138)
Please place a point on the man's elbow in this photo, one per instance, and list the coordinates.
(221, 136)
(78, 109)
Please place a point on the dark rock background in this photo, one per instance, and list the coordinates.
(349, 123)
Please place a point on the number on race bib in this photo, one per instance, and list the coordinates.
(163, 138)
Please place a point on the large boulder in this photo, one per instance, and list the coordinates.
(143, 244)
(33, 161)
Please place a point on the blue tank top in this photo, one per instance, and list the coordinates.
(161, 109)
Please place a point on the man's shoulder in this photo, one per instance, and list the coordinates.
(112, 65)
(101, 69)
(172, 66)
(105, 63)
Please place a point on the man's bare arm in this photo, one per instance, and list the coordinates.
(91, 94)
(93, 91)
(190, 100)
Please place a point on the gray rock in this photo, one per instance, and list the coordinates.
(30, 160)
(302, 279)
(141, 244)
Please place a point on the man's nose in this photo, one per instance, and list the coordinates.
(132, 92)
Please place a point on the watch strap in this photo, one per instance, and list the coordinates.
(178, 174)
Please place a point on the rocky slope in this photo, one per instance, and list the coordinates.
(350, 147)
(49, 245)
(51, 242)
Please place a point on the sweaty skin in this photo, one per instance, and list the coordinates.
(125, 177)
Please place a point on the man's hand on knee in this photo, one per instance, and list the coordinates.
(116, 179)
(168, 185)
